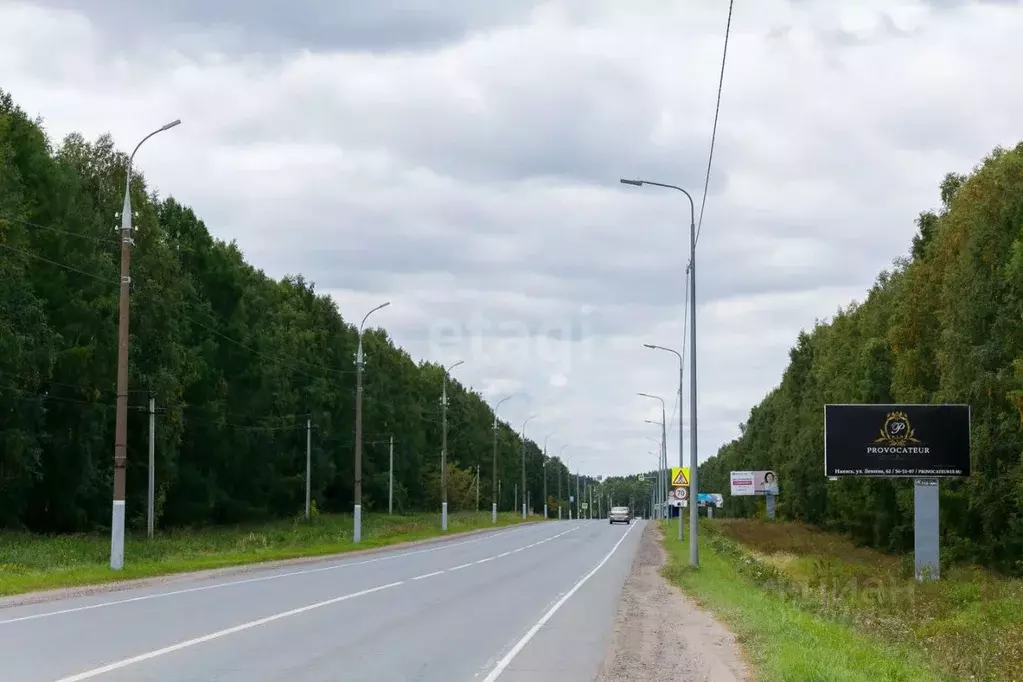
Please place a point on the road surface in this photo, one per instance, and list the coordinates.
(530, 603)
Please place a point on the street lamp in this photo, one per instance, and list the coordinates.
(680, 436)
(544, 464)
(493, 509)
(659, 476)
(578, 495)
(568, 484)
(664, 449)
(444, 449)
(559, 481)
(121, 417)
(359, 362)
(653, 497)
(694, 548)
(524, 465)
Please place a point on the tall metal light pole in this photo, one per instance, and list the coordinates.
(660, 484)
(681, 458)
(121, 418)
(578, 498)
(694, 548)
(568, 486)
(524, 464)
(544, 463)
(559, 480)
(664, 447)
(444, 450)
(359, 362)
(493, 509)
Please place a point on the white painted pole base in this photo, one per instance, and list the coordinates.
(523, 510)
(443, 515)
(357, 536)
(545, 511)
(493, 513)
(117, 536)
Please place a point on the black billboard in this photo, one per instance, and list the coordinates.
(897, 440)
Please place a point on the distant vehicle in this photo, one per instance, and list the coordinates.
(619, 515)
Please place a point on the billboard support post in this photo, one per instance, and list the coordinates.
(770, 505)
(925, 529)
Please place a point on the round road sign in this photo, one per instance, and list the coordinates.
(681, 493)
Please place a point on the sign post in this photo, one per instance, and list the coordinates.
(922, 442)
(927, 554)
(679, 482)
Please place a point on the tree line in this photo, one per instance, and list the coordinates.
(235, 361)
(943, 325)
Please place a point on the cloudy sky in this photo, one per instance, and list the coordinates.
(460, 158)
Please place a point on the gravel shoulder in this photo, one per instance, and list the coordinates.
(660, 635)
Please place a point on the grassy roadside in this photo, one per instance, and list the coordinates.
(34, 562)
(785, 639)
(969, 623)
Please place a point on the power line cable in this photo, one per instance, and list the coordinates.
(107, 280)
(29, 254)
(57, 230)
(717, 111)
(425, 416)
(46, 396)
(685, 327)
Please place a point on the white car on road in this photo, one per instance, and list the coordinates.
(619, 515)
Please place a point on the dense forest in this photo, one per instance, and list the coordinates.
(235, 361)
(944, 325)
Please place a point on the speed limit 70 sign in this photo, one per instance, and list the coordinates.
(681, 493)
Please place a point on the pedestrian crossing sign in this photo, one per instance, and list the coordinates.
(680, 476)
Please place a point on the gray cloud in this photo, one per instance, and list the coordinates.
(270, 25)
(472, 170)
(952, 4)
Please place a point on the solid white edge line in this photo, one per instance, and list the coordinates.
(216, 635)
(427, 575)
(508, 657)
(334, 567)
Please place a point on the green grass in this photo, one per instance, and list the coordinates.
(969, 623)
(36, 562)
(782, 639)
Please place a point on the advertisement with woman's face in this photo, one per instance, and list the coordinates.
(754, 483)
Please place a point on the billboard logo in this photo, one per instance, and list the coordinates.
(897, 437)
(897, 430)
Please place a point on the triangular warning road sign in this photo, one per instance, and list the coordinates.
(680, 478)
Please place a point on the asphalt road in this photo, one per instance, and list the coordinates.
(532, 603)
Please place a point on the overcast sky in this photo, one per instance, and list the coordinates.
(461, 158)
